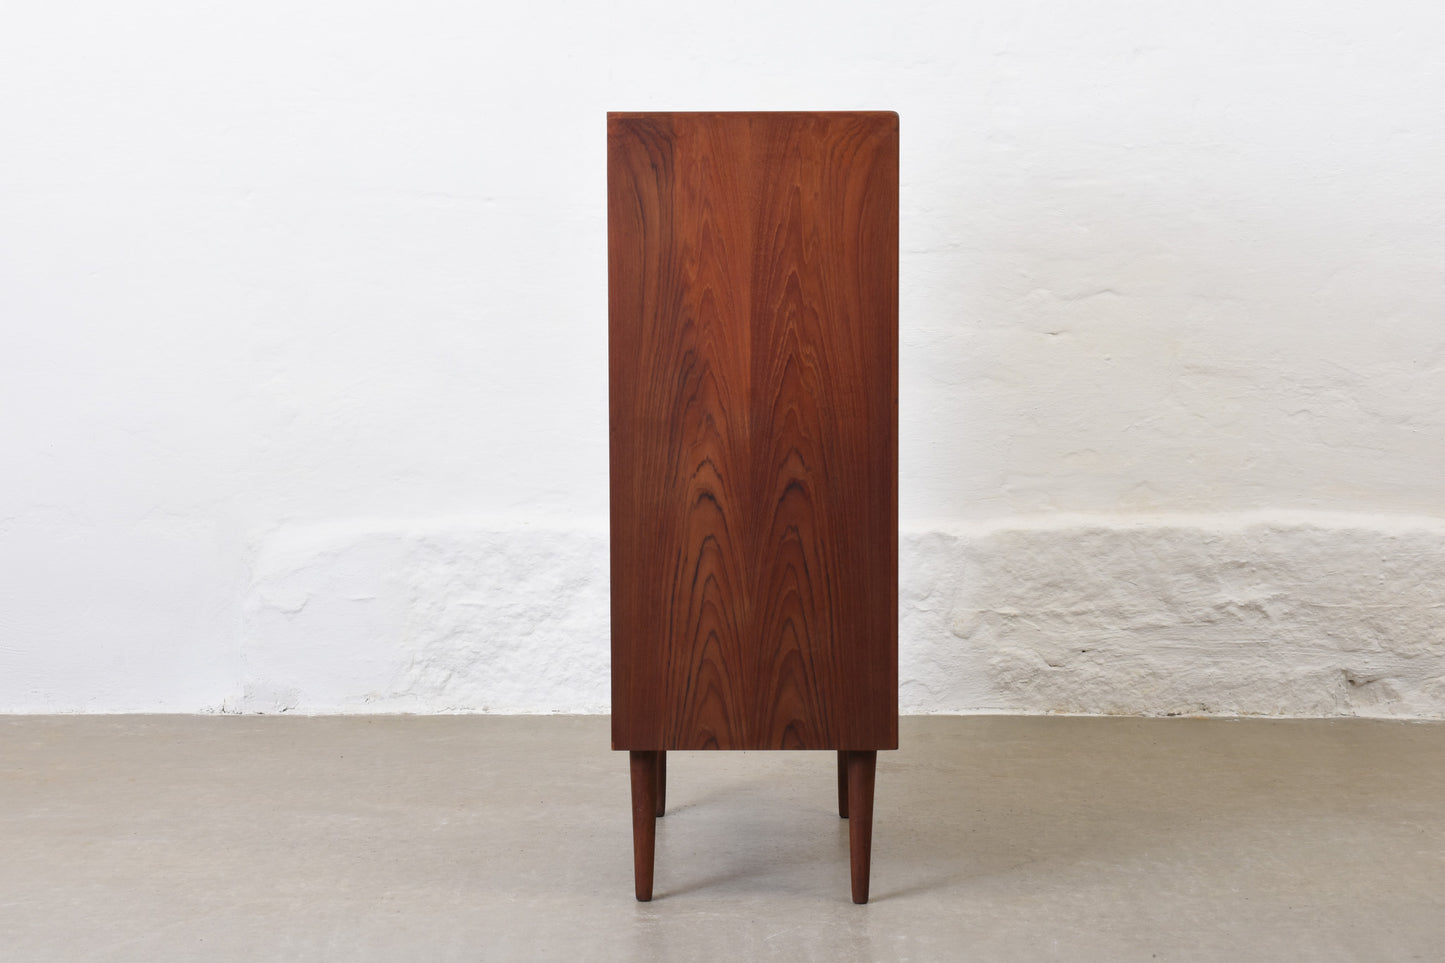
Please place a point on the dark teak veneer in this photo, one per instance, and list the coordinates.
(753, 372)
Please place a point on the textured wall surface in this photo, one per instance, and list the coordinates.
(1305, 615)
(1260, 613)
(293, 294)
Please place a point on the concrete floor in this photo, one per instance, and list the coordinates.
(493, 838)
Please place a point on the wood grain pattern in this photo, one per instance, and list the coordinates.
(753, 405)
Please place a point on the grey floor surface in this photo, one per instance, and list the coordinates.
(495, 838)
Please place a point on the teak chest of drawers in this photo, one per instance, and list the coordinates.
(753, 387)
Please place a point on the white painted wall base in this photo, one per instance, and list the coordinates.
(1292, 614)
(1279, 614)
(450, 615)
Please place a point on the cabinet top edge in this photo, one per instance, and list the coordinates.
(660, 114)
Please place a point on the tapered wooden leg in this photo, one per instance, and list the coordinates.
(842, 784)
(861, 769)
(644, 820)
(661, 783)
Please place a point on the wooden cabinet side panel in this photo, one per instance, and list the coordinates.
(753, 409)
(678, 351)
(824, 432)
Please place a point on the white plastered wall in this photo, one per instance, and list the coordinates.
(302, 382)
